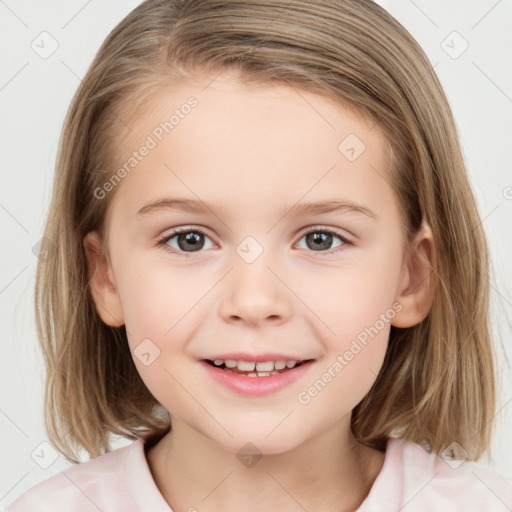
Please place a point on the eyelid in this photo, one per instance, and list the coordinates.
(162, 241)
(335, 231)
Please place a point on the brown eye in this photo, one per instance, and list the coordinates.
(322, 239)
(184, 240)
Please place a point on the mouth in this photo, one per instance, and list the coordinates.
(256, 375)
(256, 378)
(256, 368)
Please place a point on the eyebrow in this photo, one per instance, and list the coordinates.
(196, 206)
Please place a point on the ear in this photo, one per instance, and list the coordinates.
(101, 282)
(415, 288)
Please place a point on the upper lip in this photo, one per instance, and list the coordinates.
(267, 356)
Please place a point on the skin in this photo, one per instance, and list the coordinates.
(249, 151)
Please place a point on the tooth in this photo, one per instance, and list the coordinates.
(266, 366)
(252, 375)
(291, 364)
(263, 374)
(245, 366)
(279, 365)
(274, 372)
(218, 362)
(230, 363)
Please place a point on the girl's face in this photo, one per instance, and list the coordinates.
(258, 277)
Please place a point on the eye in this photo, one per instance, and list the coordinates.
(322, 238)
(190, 240)
(187, 240)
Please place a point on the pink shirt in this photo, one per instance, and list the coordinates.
(411, 479)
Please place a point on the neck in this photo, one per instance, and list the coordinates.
(332, 472)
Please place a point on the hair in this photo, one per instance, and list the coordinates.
(437, 382)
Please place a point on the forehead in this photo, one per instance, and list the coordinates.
(249, 144)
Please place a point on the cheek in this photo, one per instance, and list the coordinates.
(358, 310)
(152, 297)
(352, 297)
(353, 308)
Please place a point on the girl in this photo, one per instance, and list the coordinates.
(270, 272)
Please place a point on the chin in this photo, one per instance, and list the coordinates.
(267, 440)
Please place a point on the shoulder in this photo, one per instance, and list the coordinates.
(103, 483)
(428, 481)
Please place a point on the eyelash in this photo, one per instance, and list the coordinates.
(162, 242)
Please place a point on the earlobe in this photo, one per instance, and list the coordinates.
(101, 282)
(415, 288)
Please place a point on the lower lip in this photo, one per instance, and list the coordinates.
(256, 386)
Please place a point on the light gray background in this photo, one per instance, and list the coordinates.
(35, 93)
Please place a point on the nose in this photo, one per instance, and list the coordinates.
(255, 291)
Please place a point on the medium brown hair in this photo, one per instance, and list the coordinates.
(437, 383)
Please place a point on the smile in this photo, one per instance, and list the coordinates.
(254, 369)
(255, 378)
